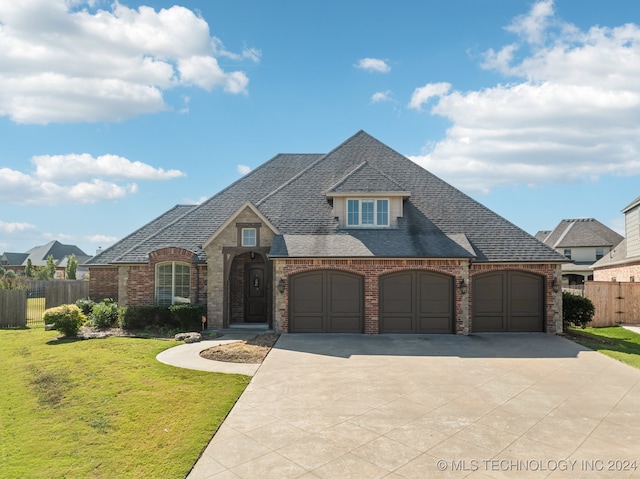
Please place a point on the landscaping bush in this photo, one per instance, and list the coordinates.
(85, 305)
(104, 315)
(188, 315)
(66, 318)
(576, 310)
(141, 317)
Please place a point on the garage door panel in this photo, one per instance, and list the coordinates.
(397, 294)
(326, 301)
(344, 324)
(398, 324)
(309, 293)
(508, 301)
(416, 302)
(523, 323)
(309, 324)
(434, 324)
(490, 324)
(343, 291)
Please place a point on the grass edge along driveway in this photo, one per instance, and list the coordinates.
(616, 342)
(103, 408)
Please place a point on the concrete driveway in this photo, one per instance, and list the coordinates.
(391, 406)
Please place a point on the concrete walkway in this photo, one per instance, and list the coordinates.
(188, 355)
(390, 406)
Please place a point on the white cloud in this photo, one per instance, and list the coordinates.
(243, 169)
(573, 113)
(77, 179)
(60, 63)
(373, 65)
(381, 96)
(102, 239)
(423, 94)
(10, 228)
(75, 167)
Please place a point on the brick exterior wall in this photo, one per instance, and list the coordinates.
(134, 284)
(622, 273)
(103, 282)
(372, 269)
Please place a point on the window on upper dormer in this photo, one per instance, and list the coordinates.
(249, 237)
(367, 212)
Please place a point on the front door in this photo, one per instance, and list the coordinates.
(255, 294)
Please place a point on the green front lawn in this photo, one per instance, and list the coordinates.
(103, 408)
(617, 342)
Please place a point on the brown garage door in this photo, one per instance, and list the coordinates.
(508, 301)
(416, 302)
(326, 301)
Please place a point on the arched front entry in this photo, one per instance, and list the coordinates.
(416, 302)
(326, 301)
(508, 301)
(249, 289)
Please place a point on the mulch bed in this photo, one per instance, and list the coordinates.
(252, 351)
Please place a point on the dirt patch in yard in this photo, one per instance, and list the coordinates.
(250, 351)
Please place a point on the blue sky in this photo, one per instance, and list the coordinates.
(113, 112)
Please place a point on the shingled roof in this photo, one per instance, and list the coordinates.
(581, 232)
(293, 192)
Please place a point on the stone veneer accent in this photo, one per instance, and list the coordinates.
(372, 269)
(228, 238)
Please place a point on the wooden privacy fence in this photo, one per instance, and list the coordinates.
(13, 308)
(21, 308)
(615, 303)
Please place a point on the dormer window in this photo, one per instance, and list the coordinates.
(249, 237)
(367, 212)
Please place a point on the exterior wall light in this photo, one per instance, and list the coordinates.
(281, 285)
(463, 286)
(555, 285)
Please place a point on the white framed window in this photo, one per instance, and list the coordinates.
(173, 283)
(249, 237)
(367, 212)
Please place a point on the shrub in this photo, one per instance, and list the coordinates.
(104, 315)
(85, 305)
(66, 318)
(188, 315)
(141, 317)
(576, 310)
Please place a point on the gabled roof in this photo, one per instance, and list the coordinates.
(631, 205)
(13, 259)
(581, 232)
(365, 178)
(290, 191)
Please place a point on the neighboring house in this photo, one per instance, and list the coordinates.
(360, 239)
(39, 254)
(584, 241)
(623, 262)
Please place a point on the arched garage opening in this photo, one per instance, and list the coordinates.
(416, 302)
(506, 301)
(326, 301)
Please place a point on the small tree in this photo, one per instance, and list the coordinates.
(29, 272)
(47, 272)
(72, 267)
(577, 310)
(50, 267)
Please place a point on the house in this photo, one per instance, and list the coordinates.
(360, 239)
(623, 262)
(584, 241)
(39, 254)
